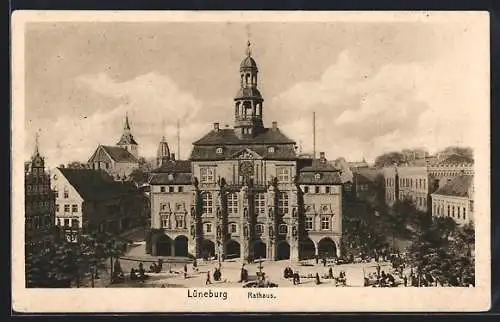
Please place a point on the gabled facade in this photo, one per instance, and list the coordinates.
(240, 194)
(90, 201)
(120, 160)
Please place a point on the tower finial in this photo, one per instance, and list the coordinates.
(249, 50)
(36, 143)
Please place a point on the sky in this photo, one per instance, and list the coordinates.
(375, 87)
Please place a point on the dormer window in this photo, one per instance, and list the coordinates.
(317, 176)
(271, 149)
(218, 150)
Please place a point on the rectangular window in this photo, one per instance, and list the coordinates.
(66, 222)
(306, 189)
(170, 189)
(165, 222)
(74, 208)
(448, 210)
(179, 222)
(232, 203)
(56, 193)
(57, 207)
(283, 174)
(309, 223)
(260, 203)
(463, 212)
(66, 208)
(180, 189)
(327, 189)
(207, 203)
(207, 174)
(283, 203)
(208, 228)
(162, 189)
(178, 207)
(163, 206)
(316, 189)
(325, 223)
(458, 212)
(453, 211)
(259, 229)
(233, 228)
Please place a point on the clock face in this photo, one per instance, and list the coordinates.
(246, 169)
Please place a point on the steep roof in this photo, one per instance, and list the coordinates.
(457, 187)
(229, 137)
(174, 166)
(127, 139)
(171, 178)
(230, 151)
(328, 174)
(95, 184)
(119, 154)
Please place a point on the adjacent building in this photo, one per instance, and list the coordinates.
(89, 201)
(119, 160)
(39, 201)
(245, 192)
(455, 199)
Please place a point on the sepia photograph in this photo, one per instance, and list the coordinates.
(229, 161)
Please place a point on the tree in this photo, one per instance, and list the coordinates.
(77, 165)
(139, 176)
(458, 150)
(389, 159)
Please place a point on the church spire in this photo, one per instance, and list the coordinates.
(36, 145)
(126, 127)
(249, 49)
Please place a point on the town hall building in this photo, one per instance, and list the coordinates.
(245, 192)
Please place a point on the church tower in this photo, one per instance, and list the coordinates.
(163, 153)
(37, 162)
(248, 102)
(127, 140)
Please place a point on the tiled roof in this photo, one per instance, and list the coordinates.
(320, 166)
(458, 187)
(248, 93)
(176, 166)
(455, 160)
(325, 178)
(119, 154)
(171, 178)
(228, 137)
(96, 185)
(282, 151)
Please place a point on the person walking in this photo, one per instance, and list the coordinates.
(185, 271)
(317, 279)
(330, 273)
(208, 279)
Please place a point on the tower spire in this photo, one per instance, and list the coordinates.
(127, 124)
(36, 143)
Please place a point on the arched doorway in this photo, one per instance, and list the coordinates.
(259, 250)
(233, 249)
(207, 248)
(326, 248)
(283, 250)
(163, 246)
(181, 246)
(307, 249)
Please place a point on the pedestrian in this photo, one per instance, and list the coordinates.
(317, 259)
(324, 262)
(405, 281)
(317, 279)
(330, 272)
(208, 279)
(185, 271)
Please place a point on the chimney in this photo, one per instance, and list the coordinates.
(275, 125)
(172, 156)
(61, 166)
(322, 156)
(216, 127)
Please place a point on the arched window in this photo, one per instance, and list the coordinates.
(207, 203)
(259, 229)
(232, 203)
(247, 78)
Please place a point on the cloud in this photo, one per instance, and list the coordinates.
(395, 106)
(150, 101)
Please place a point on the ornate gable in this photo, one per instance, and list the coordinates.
(246, 154)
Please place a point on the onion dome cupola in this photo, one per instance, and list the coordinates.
(163, 153)
(248, 100)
